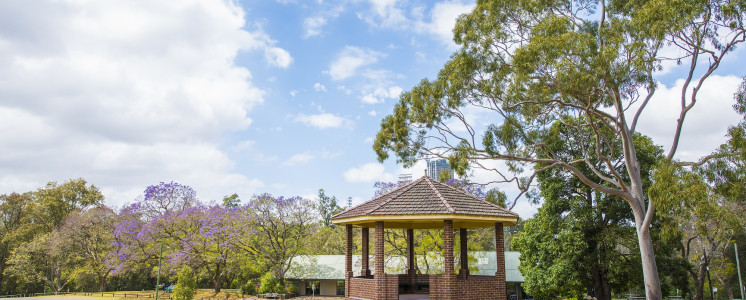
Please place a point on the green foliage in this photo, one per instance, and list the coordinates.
(291, 289)
(55, 202)
(445, 176)
(281, 227)
(42, 260)
(88, 236)
(497, 197)
(531, 66)
(704, 216)
(186, 286)
(326, 241)
(270, 284)
(231, 201)
(249, 288)
(327, 208)
(16, 227)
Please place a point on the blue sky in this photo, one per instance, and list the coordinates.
(242, 97)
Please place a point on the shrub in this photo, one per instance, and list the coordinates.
(291, 289)
(270, 284)
(186, 285)
(249, 287)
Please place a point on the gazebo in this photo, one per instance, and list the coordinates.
(424, 204)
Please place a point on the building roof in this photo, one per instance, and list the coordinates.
(424, 204)
(331, 267)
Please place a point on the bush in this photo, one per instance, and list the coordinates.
(186, 285)
(249, 287)
(291, 289)
(270, 284)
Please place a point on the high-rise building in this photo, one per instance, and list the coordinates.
(435, 166)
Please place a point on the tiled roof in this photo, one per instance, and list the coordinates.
(426, 196)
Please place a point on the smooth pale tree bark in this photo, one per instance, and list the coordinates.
(526, 65)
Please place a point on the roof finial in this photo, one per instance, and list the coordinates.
(425, 172)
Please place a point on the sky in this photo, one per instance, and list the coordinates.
(253, 96)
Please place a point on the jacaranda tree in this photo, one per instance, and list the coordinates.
(201, 237)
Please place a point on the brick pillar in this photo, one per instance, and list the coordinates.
(348, 259)
(365, 270)
(379, 271)
(500, 253)
(464, 272)
(411, 271)
(449, 278)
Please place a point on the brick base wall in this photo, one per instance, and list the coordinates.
(476, 287)
(479, 287)
(367, 288)
(436, 287)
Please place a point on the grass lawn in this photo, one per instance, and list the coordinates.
(201, 294)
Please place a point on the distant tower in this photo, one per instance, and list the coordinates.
(435, 166)
(349, 202)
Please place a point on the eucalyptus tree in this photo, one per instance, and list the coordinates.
(42, 260)
(709, 203)
(524, 65)
(88, 236)
(54, 202)
(14, 229)
(327, 208)
(580, 239)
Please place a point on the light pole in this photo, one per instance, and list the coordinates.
(738, 268)
(712, 294)
(158, 281)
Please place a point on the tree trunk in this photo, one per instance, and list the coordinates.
(643, 219)
(645, 241)
(649, 267)
(215, 283)
(698, 279)
(215, 278)
(726, 287)
(600, 285)
(101, 283)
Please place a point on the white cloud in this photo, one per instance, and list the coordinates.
(293, 93)
(350, 59)
(385, 13)
(322, 121)
(126, 94)
(372, 113)
(380, 95)
(443, 19)
(298, 159)
(369, 172)
(312, 26)
(344, 89)
(705, 125)
(278, 57)
(243, 146)
(319, 87)
(370, 99)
